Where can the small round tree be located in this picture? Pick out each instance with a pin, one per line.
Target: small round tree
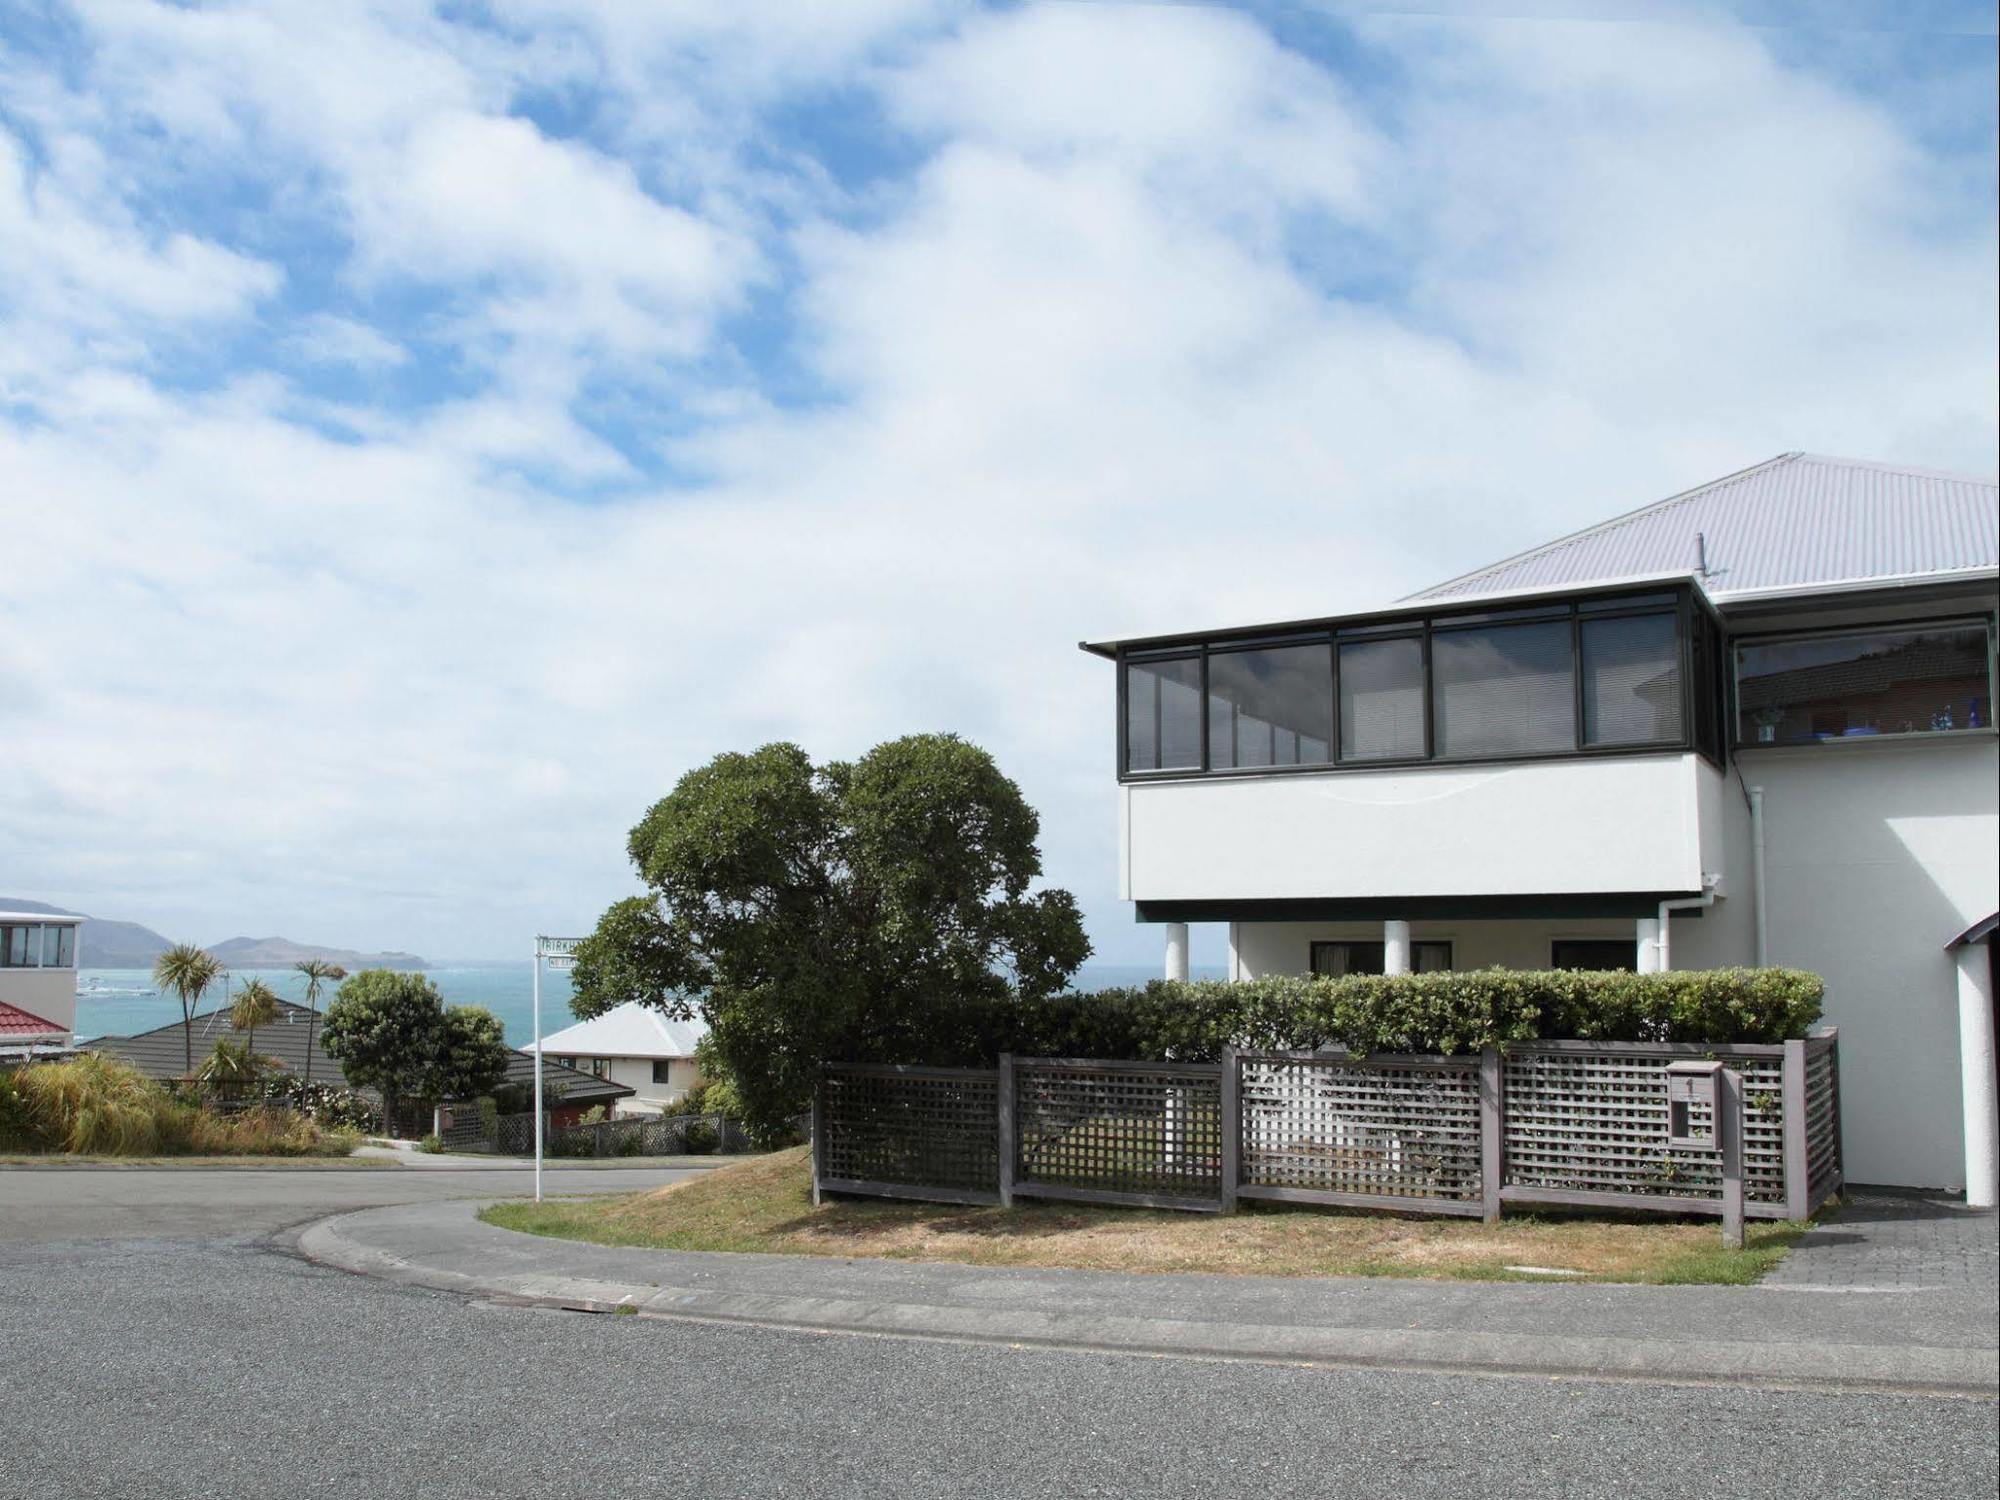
(393, 1033)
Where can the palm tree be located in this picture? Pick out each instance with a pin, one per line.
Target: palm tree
(188, 971)
(317, 971)
(256, 1005)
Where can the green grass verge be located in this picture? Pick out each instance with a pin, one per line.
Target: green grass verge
(764, 1205)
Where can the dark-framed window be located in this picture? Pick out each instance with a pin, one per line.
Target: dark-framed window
(38, 945)
(1884, 681)
(1610, 673)
(1348, 956)
(1594, 953)
(663, 1070)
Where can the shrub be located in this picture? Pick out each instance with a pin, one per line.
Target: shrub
(92, 1103)
(1449, 1012)
(702, 1139)
(96, 1105)
(432, 1144)
(13, 1113)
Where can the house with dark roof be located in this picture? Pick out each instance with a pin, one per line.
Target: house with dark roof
(161, 1053)
(1752, 723)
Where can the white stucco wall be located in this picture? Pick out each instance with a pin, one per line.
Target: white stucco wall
(48, 993)
(1877, 854)
(637, 1073)
(1626, 823)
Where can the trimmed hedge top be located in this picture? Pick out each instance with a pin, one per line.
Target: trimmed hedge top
(1464, 1011)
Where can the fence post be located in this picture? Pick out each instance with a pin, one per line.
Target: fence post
(1492, 1130)
(1231, 1128)
(1003, 1123)
(1798, 1167)
(818, 1129)
(1729, 1127)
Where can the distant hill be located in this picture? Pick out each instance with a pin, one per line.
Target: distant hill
(105, 944)
(282, 953)
(102, 944)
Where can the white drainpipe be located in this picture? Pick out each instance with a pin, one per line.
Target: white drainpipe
(1687, 903)
(1757, 874)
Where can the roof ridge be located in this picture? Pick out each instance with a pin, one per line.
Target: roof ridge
(1597, 528)
(1881, 467)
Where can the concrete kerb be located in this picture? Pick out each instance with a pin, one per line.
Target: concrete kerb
(345, 1242)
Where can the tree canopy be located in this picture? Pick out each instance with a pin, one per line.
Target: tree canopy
(393, 1033)
(832, 912)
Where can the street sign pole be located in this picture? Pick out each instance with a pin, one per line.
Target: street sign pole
(538, 1069)
(560, 954)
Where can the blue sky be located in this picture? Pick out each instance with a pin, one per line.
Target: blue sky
(426, 433)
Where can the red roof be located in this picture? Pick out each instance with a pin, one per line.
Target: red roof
(17, 1022)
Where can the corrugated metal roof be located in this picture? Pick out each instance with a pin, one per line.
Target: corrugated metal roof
(629, 1030)
(1796, 521)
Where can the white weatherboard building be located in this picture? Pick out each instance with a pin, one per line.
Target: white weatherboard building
(1752, 723)
(635, 1045)
(37, 980)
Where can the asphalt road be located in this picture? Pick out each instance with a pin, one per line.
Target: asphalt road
(51, 1205)
(189, 1363)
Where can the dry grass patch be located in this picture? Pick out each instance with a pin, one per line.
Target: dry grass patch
(766, 1205)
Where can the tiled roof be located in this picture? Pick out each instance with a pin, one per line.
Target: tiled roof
(15, 1022)
(1794, 522)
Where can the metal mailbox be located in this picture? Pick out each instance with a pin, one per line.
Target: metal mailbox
(1693, 1094)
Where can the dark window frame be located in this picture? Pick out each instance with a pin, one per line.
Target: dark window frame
(1733, 718)
(1689, 610)
(1557, 945)
(1450, 946)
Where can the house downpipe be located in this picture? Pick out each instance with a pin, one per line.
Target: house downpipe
(1663, 944)
(1757, 875)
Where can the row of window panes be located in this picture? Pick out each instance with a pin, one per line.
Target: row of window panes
(1434, 956)
(38, 945)
(1915, 680)
(1496, 690)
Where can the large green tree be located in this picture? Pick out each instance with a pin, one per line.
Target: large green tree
(393, 1033)
(844, 911)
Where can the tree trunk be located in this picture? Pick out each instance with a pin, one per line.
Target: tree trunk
(187, 1041)
(312, 1018)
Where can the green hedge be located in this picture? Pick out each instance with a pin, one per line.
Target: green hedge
(1455, 1012)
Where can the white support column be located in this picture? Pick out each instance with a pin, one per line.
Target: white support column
(1975, 1062)
(1648, 936)
(1395, 947)
(1177, 950)
(1235, 952)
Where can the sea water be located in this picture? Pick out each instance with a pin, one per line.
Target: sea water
(120, 1002)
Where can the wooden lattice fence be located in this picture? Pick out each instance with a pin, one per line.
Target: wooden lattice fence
(1389, 1132)
(1581, 1123)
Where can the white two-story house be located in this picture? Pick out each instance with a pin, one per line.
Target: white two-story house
(38, 956)
(1749, 724)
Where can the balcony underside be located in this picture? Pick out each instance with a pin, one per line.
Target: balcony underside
(1572, 905)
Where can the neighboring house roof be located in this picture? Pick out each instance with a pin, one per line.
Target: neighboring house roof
(629, 1030)
(159, 1054)
(1796, 522)
(16, 1024)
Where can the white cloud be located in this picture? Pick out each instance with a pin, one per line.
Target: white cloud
(1167, 327)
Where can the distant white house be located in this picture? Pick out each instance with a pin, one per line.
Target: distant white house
(37, 980)
(634, 1045)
